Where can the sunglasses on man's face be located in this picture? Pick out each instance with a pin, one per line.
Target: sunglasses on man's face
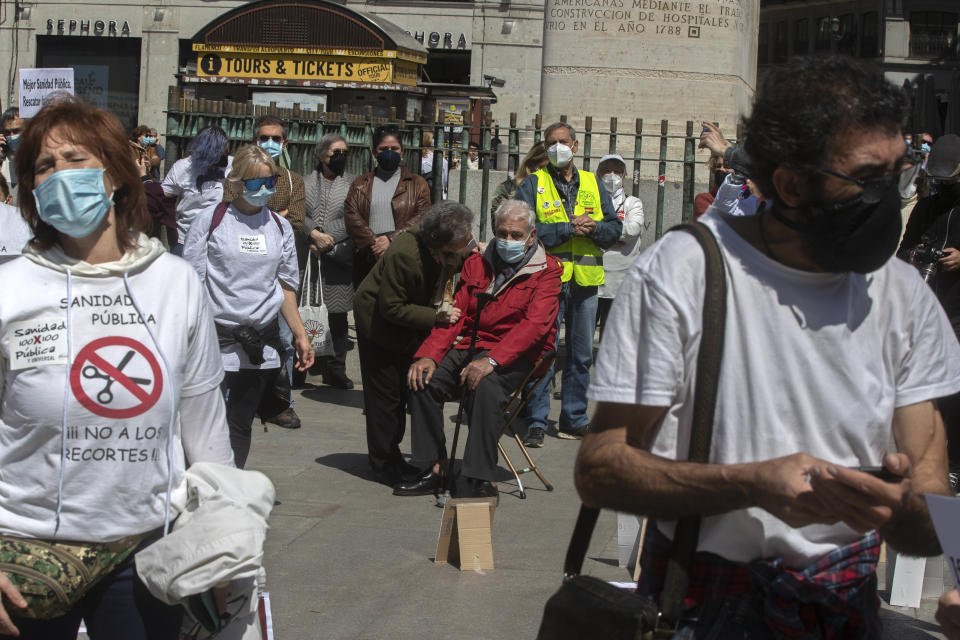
(277, 139)
(11, 132)
(254, 184)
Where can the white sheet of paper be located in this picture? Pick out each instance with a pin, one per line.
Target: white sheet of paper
(907, 588)
(945, 513)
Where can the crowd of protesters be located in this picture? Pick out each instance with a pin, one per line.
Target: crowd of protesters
(833, 348)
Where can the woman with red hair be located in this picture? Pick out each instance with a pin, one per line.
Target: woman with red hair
(110, 373)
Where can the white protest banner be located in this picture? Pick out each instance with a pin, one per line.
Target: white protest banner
(36, 84)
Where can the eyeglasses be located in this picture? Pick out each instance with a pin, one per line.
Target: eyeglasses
(254, 184)
(875, 188)
(264, 138)
(11, 132)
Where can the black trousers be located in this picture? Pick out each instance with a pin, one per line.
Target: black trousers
(243, 391)
(363, 263)
(485, 406)
(384, 376)
(337, 363)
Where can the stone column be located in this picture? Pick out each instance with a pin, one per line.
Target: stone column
(652, 59)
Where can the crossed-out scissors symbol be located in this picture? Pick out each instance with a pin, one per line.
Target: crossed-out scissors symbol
(105, 396)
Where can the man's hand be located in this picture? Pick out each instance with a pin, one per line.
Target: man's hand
(712, 138)
(380, 245)
(786, 492)
(951, 259)
(304, 351)
(420, 372)
(143, 165)
(12, 596)
(476, 371)
(583, 225)
(862, 501)
(283, 214)
(322, 241)
(948, 614)
(447, 318)
(3, 146)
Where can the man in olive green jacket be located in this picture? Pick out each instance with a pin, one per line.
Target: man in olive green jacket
(395, 308)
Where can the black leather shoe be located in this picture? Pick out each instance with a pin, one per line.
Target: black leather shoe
(484, 489)
(288, 419)
(426, 485)
(338, 381)
(409, 472)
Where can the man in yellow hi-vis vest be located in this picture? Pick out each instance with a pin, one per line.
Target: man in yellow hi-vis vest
(576, 221)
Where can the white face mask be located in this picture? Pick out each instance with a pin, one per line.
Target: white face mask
(612, 183)
(560, 155)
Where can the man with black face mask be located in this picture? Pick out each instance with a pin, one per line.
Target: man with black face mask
(831, 350)
(932, 244)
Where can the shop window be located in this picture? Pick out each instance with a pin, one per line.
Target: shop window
(801, 36)
(933, 34)
(847, 43)
(106, 71)
(824, 35)
(780, 41)
(763, 45)
(870, 35)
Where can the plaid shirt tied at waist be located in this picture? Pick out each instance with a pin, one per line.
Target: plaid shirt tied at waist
(835, 597)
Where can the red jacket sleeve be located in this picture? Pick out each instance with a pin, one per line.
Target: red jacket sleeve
(539, 320)
(441, 338)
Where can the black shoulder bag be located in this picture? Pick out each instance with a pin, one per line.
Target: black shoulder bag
(587, 607)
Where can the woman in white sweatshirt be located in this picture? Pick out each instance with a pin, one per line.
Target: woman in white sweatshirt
(110, 374)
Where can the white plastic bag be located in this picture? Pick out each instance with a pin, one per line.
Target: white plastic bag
(315, 317)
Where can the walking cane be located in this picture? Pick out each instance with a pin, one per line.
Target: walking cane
(482, 299)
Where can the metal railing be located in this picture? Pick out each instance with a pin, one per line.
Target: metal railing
(673, 158)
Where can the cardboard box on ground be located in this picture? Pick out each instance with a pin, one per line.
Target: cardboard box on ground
(466, 538)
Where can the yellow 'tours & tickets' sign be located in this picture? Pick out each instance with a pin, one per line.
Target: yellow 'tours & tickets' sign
(277, 66)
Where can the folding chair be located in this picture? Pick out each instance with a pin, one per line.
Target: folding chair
(516, 403)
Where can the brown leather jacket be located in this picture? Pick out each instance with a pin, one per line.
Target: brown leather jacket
(410, 201)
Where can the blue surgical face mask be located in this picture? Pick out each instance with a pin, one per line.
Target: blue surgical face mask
(271, 147)
(925, 148)
(149, 140)
(13, 142)
(511, 251)
(73, 201)
(259, 198)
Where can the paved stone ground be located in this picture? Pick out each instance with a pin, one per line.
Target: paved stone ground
(346, 559)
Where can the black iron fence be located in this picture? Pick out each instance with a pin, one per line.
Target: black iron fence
(654, 158)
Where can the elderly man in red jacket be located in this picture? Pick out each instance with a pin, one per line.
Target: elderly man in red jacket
(513, 331)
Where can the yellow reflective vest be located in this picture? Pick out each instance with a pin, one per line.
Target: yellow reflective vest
(580, 256)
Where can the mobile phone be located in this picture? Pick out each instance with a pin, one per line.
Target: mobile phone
(880, 472)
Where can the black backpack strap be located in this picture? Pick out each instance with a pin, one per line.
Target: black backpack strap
(709, 357)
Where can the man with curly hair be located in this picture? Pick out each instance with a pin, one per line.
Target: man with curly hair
(833, 355)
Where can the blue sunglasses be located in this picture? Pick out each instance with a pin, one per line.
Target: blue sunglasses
(254, 184)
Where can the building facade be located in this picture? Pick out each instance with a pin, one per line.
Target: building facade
(907, 38)
(125, 56)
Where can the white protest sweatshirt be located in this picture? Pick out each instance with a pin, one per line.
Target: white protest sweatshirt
(97, 365)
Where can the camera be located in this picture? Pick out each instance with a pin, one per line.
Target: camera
(926, 258)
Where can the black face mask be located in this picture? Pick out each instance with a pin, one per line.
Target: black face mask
(338, 162)
(850, 235)
(389, 160)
